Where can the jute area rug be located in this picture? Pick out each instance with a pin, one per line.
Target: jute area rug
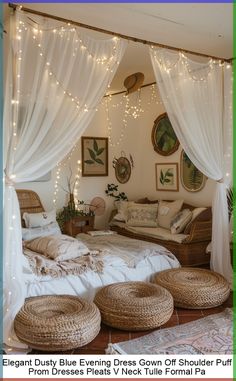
(209, 335)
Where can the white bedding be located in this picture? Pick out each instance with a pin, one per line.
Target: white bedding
(125, 259)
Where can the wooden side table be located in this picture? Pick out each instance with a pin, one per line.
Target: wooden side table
(79, 224)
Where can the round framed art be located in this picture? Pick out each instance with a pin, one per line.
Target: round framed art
(122, 168)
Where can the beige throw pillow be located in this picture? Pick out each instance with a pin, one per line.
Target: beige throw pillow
(166, 211)
(142, 215)
(180, 220)
(122, 207)
(60, 248)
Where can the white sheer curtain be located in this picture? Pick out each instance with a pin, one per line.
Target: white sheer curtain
(197, 97)
(56, 77)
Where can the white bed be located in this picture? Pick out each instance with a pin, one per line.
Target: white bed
(125, 259)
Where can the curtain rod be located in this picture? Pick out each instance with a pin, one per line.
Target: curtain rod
(134, 39)
(124, 91)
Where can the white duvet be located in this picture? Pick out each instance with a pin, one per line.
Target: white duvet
(126, 259)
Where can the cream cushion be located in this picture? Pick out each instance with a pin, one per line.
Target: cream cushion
(180, 220)
(35, 220)
(60, 248)
(166, 211)
(122, 207)
(142, 215)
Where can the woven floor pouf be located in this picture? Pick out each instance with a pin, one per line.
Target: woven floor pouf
(194, 288)
(57, 322)
(134, 306)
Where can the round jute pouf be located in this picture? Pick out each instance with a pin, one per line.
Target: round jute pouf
(134, 306)
(194, 288)
(57, 322)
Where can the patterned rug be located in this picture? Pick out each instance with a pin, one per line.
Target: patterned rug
(209, 335)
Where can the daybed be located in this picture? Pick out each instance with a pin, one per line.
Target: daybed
(189, 246)
(108, 259)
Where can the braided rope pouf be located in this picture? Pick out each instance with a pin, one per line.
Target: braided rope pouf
(134, 306)
(57, 322)
(194, 288)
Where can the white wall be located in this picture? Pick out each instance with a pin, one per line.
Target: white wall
(137, 142)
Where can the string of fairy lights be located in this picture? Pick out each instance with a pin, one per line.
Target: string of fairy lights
(168, 65)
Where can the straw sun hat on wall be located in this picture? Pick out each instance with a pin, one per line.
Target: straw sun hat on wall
(133, 82)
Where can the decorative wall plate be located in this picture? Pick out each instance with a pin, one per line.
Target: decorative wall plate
(122, 168)
(97, 206)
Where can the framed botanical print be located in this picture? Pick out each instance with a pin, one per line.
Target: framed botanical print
(192, 179)
(164, 140)
(94, 156)
(167, 178)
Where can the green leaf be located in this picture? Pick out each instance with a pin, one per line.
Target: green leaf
(162, 175)
(169, 174)
(99, 161)
(92, 154)
(89, 161)
(95, 145)
(167, 180)
(99, 151)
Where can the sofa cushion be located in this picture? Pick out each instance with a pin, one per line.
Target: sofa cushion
(180, 220)
(166, 211)
(142, 215)
(122, 207)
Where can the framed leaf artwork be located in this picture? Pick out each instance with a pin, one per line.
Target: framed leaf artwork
(192, 179)
(94, 156)
(164, 140)
(167, 178)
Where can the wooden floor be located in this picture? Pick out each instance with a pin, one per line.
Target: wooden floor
(112, 335)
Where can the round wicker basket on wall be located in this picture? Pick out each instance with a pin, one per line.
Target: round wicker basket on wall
(194, 288)
(134, 306)
(57, 322)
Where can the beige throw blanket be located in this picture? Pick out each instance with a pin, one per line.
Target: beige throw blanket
(41, 265)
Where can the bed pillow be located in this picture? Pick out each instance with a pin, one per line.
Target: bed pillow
(35, 220)
(166, 211)
(180, 220)
(122, 207)
(60, 248)
(198, 214)
(43, 231)
(142, 215)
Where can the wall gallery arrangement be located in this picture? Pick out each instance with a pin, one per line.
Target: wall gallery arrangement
(165, 143)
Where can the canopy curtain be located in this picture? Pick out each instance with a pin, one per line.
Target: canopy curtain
(56, 77)
(197, 97)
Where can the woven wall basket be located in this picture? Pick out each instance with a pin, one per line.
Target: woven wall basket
(57, 322)
(134, 306)
(194, 288)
